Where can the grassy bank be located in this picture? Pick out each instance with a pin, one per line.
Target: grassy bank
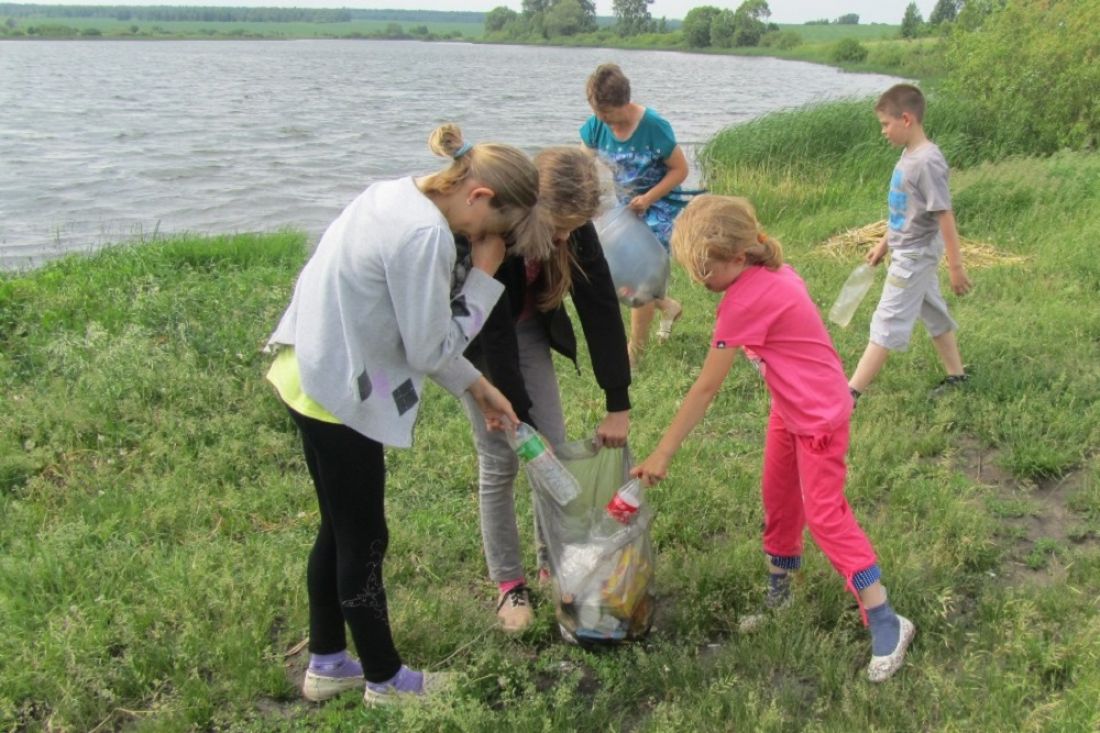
(157, 513)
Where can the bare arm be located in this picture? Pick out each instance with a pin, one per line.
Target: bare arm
(677, 173)
(960, 283)
(695, 404)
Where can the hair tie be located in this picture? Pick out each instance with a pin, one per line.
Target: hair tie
(761, 237)
(462, 150)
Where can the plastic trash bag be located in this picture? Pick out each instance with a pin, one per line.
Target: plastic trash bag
(638, 263)
(601, 569)
(851, 295)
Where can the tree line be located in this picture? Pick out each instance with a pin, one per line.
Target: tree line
(235, 14)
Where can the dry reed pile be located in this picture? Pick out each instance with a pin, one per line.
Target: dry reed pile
(852, 243)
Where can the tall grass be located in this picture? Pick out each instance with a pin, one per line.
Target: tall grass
(157, 514)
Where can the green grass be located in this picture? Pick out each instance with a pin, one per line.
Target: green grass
(157, 513)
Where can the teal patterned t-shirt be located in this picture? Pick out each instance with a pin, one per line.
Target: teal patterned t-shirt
(638, 164)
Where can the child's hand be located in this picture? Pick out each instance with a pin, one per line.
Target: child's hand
(876, 253)
(960, 283)
(613, 429)
(495, 407)
(651, 470)
(639, 204)
(487, 253)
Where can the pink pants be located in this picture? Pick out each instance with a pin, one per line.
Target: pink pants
(803, 485)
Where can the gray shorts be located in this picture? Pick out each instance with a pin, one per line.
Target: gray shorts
(912, 290)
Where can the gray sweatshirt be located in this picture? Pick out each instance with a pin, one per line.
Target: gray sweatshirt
(371, 314)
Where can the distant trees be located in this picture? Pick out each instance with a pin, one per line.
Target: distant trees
(847, 19)
(543, 19)
(497, 18)
(945, 12)
(567, 18)
(912, 23)
(724, 28)
(179, 12)
(632, 16)
(696, 28)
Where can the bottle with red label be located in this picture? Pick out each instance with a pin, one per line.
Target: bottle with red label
(624, 504)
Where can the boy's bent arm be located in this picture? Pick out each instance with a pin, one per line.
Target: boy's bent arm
(960, 283)
(695, 404)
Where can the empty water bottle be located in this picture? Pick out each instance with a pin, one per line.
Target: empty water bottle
(851, 295)
(543, 468)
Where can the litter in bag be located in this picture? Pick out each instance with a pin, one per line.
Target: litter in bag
(638, 263)
(601, 568)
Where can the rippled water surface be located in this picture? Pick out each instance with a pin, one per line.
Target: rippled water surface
(109, 140)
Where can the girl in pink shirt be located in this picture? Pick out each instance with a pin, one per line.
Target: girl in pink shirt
(767, 313)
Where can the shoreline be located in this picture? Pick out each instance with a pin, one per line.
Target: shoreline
(745, 52)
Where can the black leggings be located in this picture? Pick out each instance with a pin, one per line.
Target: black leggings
(344, 576)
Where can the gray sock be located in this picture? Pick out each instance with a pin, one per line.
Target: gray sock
(885, 629)
(779, 589)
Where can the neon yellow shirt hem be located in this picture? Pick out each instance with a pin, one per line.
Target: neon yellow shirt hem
(287, 379)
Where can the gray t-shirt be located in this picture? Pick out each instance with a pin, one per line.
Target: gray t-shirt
(918, 192)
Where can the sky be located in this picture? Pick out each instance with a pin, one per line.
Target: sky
(783, 11)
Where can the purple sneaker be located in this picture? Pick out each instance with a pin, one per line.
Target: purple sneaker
(406, 684)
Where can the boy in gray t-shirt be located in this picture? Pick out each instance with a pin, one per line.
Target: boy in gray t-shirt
(920, 230)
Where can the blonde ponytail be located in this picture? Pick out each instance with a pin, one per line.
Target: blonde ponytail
(510, 174)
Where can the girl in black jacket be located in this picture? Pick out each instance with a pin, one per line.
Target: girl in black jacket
(514, 352)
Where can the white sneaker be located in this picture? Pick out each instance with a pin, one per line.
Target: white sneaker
(319, 687)
(883, 668)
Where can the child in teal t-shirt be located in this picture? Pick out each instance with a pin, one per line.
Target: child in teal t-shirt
(648, 167)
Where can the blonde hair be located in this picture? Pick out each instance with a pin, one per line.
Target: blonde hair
(569, 197)
(510, 174)
(608, 87)
(721, 228)
(902, 98)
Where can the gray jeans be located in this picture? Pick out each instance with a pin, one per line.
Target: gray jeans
(498, 464)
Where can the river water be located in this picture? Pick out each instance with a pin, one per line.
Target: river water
(106, 141)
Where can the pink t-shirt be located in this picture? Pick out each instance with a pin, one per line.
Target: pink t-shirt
(771, 316)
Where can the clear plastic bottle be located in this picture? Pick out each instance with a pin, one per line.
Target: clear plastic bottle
(851, 295)
(542, 466)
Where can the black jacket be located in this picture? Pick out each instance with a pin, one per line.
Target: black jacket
(496, 353)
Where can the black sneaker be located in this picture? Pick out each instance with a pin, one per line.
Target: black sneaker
(949, 384)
